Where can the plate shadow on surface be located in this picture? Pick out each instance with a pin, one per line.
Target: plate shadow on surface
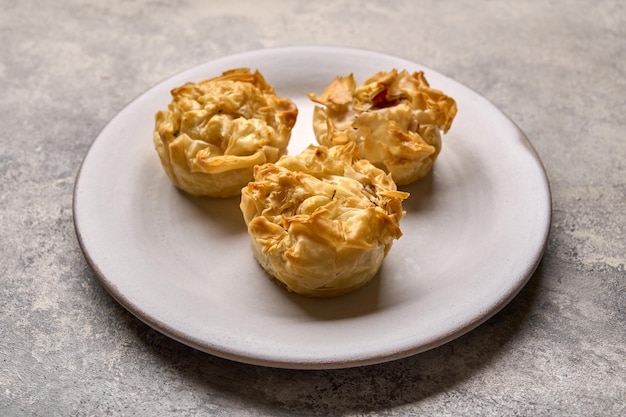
(344, 390)
(349, 390)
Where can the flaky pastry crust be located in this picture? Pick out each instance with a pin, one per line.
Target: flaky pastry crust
(322, 222)
(395, 118)
(214, 132)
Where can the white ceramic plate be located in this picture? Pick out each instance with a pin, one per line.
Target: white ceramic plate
(474, 233)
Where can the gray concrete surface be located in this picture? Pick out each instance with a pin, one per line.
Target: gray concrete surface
(557, 68)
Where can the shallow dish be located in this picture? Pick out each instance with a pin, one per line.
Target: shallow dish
(474, 232)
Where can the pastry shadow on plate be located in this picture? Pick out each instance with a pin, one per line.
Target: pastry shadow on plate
(375, 297)
(421, 193)
(360, 302)
(222, 213)
(456, 173)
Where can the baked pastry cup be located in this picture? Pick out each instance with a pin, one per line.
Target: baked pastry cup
(214, 132)
(321, 222)
(395, 118)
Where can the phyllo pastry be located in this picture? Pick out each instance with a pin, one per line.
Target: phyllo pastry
(395, 119)
(321, 222)
(215, 131)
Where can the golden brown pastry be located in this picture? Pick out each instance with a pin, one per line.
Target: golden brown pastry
(322, 222)
(394, 118)
(214, 132)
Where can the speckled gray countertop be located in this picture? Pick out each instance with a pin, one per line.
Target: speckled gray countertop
(558, 69)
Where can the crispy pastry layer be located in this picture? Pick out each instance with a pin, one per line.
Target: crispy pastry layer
(214, 132)
(395, 118)
(322, 222)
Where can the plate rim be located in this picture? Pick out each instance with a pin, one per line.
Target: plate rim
(327, 363)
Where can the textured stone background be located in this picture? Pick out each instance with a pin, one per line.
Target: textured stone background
(558, 69)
